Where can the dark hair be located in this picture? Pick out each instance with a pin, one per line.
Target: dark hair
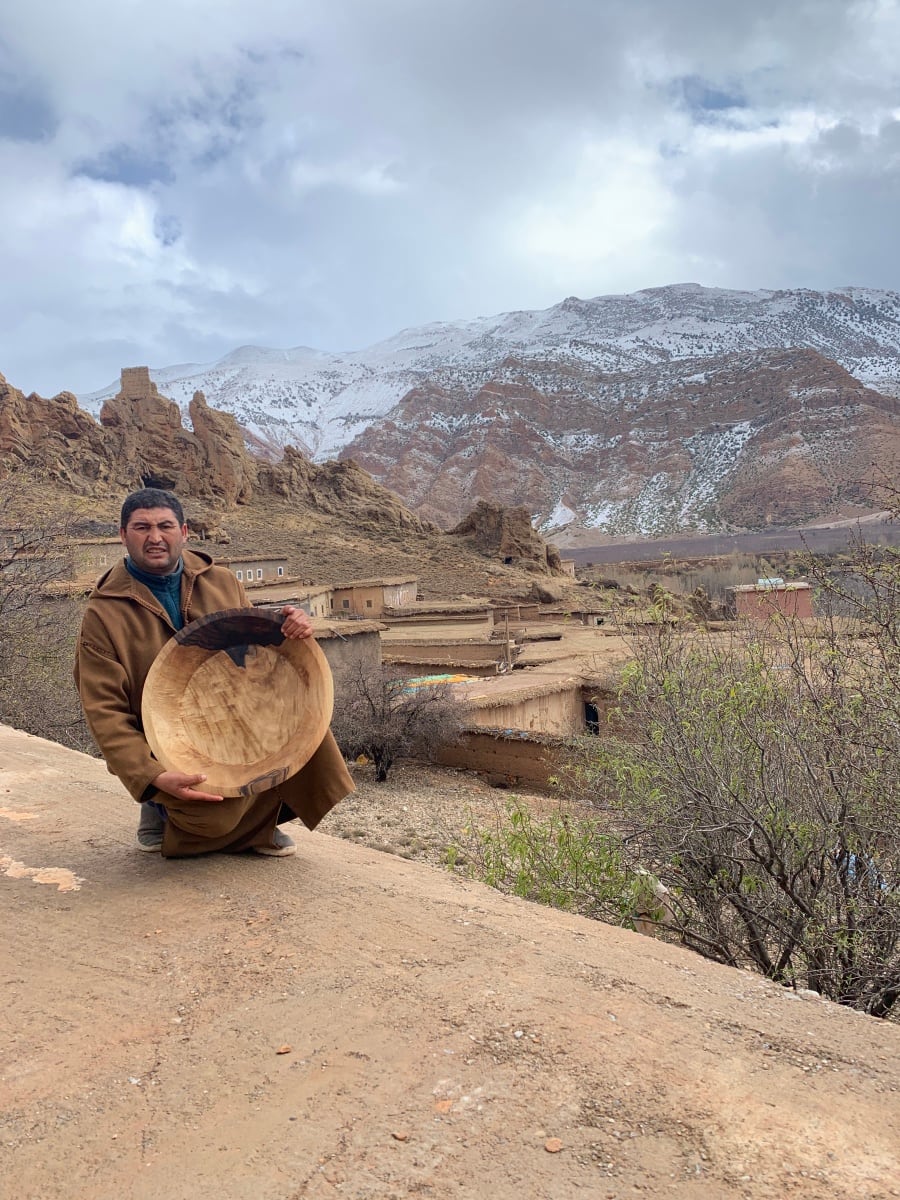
(150, 498)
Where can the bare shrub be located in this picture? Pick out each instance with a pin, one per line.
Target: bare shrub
(385, 718)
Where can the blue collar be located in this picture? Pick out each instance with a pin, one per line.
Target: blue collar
(156, 583)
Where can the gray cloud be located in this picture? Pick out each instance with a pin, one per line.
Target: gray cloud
(185, 178)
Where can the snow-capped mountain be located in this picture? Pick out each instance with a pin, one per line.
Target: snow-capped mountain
(430, 411)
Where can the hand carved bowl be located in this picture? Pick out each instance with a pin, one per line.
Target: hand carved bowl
(230, 697)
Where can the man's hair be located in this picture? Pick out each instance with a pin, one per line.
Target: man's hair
(150, 498)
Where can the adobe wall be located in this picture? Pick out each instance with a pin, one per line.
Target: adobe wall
(560, 713)
(468, 652)
(346, 654)
(512, 760)
(762, 604)
(136, 384)
(248, 569)
(433, 625)
(360, 601)
(399, 594)
(91, 559)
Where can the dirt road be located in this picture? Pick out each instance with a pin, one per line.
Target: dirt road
(346, 1023)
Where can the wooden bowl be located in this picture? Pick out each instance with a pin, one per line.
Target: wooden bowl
(230, 697)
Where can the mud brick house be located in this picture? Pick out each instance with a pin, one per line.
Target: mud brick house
(475, 657)
(516, 614)
(90, 557)
(252, 572)
(768, 598)
(313, 598)
(370, 597)
(517, 725)
(348, 646)
(427, 619)
(505, 756)
(544, 702)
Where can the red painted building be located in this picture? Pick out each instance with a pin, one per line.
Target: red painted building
(769, 597)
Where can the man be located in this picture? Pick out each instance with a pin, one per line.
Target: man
(132, 612)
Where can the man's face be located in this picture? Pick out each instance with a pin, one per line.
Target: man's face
(154, 540)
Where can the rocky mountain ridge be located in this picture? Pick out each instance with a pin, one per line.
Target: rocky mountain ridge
(534, 408)
(746, 441)
(327, 519)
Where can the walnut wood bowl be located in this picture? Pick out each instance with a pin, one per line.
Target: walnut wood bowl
(230, 697)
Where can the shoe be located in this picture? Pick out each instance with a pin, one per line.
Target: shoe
(150, 828)
(282, 846)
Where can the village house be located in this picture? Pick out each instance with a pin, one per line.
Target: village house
(91, 557)
(348, 646)
(767, 598)
(428, 619)
(515, 615)
(541, 702)
(313, 598)
(252, 571)
(480, 658)
(519, 725)
(370, 597)
(505, 757)
(62, 567)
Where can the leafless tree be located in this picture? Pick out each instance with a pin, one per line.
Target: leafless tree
(385, 718)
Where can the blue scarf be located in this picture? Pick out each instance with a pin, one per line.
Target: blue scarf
(166, 588)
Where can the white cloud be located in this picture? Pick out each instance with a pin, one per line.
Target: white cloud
(587, 231)
(181, 178)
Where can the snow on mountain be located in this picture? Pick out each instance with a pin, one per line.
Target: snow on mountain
(558, 408)
(320, 401)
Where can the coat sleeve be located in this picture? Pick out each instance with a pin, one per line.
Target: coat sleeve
(106, 697)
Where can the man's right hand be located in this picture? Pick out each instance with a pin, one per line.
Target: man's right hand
(174, 783)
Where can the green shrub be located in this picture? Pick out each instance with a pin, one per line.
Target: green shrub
(561, 860)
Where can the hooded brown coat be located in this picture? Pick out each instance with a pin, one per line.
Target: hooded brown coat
(123, 629)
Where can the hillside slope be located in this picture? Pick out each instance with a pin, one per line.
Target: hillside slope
(745, 441)
(346, 1023)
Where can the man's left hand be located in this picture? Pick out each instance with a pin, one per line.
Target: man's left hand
(296, 623)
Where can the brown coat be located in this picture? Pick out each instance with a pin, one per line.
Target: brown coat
(123, 629)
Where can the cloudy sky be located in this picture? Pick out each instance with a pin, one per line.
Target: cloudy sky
(184, 177)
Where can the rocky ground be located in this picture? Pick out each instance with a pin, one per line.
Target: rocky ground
(420, 812)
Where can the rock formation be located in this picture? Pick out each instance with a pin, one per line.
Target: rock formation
(342, 488)
(507, 533)
(141, 442)
(43, 433)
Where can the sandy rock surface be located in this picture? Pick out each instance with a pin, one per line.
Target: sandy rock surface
(349, 1023)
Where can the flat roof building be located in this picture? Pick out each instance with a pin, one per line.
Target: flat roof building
(768, 598)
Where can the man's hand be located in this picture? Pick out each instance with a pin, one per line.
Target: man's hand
(175, 783)
(296, 623)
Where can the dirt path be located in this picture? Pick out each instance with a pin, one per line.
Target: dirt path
(443, 1040)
